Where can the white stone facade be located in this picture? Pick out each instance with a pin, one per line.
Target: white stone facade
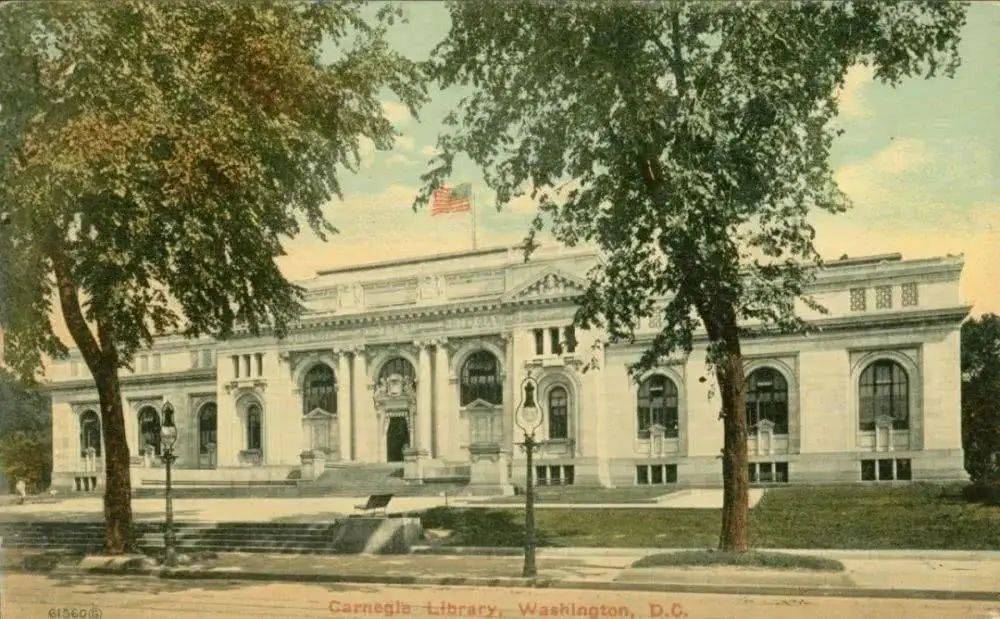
(423, 362)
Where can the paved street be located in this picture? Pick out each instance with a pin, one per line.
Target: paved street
(111, 597)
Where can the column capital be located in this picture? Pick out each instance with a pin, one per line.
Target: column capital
(423, 345)
(440, 342)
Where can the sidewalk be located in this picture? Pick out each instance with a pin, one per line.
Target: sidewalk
(905, 574)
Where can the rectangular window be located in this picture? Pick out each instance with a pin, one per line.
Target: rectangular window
(206, 359)
(909, 295)
(157, 362)
(858, 300)
(768, 472)
(903, 470)
(541, 475)
(556, 344)
(539, 342)
(569, 475)
(570, 339)
(671, 476)
(867, 470)
(885, 469)
(765, 473)
(260, 364)
(194, 359)
(236, 366)
(657, 474)
(246, 366)
(781, 472)
(883, 297)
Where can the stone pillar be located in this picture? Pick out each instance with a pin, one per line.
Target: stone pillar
(364, 414)
(344, 406)
(443, 412)
(424, 426)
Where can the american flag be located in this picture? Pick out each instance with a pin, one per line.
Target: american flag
(452, 200)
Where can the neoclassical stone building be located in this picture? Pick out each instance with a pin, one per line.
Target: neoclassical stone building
(419, 362)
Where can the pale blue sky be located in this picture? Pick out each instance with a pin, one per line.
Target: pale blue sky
(920, 162)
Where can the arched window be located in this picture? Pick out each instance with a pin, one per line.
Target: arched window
(481, 379)
(400, 366)
(658, 405)
(884, 391)
(149, 429)
(90, 432)
(319, 390)
(207, 428)
(767, 398)
(558, 413)
(253, 427)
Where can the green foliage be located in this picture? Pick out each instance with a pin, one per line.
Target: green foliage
(981, 402)
(160, 152)
(687, 140)
(28, 457)
(767, 560)
(25, 433)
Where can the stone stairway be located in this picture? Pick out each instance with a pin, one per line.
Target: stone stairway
(365, 479)
(88, 537)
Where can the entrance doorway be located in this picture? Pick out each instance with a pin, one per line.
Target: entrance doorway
(397, 438)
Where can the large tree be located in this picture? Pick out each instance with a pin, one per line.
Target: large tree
(153, 158)
(688, 141)
(981, 402)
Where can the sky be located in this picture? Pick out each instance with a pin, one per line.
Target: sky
(920, 162)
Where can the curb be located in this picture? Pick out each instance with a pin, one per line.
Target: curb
(547, 583)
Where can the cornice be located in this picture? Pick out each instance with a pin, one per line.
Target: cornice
(193, 375)
(889, 321)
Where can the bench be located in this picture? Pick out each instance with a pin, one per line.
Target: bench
(376, 502)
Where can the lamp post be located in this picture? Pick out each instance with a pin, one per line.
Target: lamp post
(528, 418)
(168, 437)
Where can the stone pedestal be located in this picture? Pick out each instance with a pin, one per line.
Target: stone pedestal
(488, 473)
(313, 464)
(413, 463)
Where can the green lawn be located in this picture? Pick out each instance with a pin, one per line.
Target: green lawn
(864, 517)
(578, 494)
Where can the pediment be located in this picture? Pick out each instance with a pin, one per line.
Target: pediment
(549, 284)
(481, 405)
(318, 413)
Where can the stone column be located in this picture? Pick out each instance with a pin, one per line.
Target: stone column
(443, 412)
(511, 392)
(346, 428)
(424, 426)
(364, 415)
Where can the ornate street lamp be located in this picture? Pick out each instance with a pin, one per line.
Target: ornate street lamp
(528, 418)
(168, 437)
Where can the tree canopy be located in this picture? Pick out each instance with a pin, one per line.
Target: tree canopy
(153, 156)
(689, 142)
(980, 409)
(156, 153)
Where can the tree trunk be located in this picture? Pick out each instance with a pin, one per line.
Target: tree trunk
(102, 361)
(117, 484)
(735, 482)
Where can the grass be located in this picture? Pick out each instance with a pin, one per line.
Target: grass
(577, 494)
(920, 516)
(754, 558)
